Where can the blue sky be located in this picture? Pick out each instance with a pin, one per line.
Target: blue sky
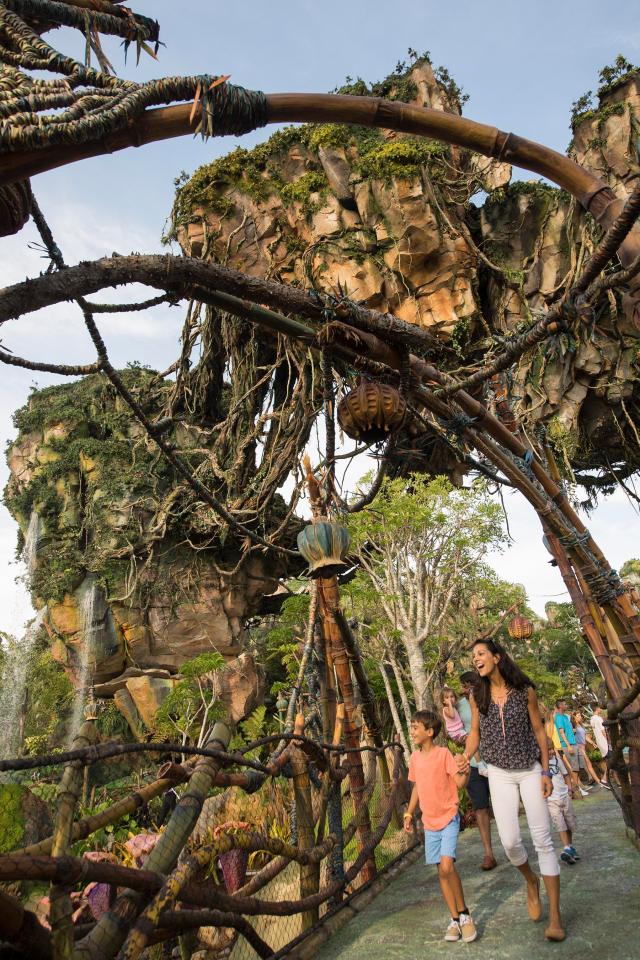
(523, 66)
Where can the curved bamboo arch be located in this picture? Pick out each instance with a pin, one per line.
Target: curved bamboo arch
(177, 121)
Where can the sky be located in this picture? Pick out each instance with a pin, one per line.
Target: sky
(523, 66)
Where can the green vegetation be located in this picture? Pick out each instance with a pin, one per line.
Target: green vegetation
(611, 77)
(11, 816)
(402, 158)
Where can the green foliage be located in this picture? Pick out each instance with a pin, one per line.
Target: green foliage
(208, 662)
(49, 699)
(610, 77)
(400, 159)
(283, 641)
(614, 74)
(630, 568)
(191, 707)
(303, 189)
(11, 816)
(111, 724)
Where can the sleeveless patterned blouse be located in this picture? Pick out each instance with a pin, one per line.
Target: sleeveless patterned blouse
(506, 736)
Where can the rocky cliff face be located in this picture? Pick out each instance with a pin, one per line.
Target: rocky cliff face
(389, 221)
(127, 564)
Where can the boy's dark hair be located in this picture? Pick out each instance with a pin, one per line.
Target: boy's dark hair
(560, 700)
(429, 720)
(469, 676)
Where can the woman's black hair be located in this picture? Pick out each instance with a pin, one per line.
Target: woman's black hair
(511, 673)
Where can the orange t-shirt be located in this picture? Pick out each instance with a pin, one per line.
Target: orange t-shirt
(433, 774)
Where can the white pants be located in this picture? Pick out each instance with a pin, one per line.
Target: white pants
(507, 787)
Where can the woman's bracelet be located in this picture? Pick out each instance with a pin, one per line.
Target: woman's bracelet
(409, 815)
(545, 773)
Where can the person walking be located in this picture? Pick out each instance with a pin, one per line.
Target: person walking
(602, 741)
(436, 777)
(478, 785)
(560, 807)
(507, 726)
(567, 739)
(581, 743)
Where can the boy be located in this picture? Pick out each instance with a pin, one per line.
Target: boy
(561, 806)
(436, 778)
(568, 746)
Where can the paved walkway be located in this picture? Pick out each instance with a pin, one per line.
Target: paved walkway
(600, 900)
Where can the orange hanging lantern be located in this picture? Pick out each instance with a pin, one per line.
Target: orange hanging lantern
(371, 411)
(520, 628)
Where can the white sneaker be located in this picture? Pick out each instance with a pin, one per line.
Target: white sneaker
(467, 928)
(583, 793)
(605, 785)
(453, 934)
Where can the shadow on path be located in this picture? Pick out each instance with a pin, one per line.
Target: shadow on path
(600, 903)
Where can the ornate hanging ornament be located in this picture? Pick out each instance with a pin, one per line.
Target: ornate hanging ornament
(324, 544)
(520, 628)
(371, 411)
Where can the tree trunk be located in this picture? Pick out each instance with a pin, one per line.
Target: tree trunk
(394, 709)
(419, 679)
(402, 690)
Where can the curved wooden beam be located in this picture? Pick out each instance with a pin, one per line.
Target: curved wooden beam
(176, 121)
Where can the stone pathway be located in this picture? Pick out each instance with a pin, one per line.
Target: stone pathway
(600, 901)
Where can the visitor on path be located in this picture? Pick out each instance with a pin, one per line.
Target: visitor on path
(602, 741)
(569, 747)
(453, 724)
(560, 806)
(436, 776)
(478, 785)
(507, 726)
(581, 743)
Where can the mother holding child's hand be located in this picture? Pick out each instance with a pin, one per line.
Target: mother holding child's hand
(506, 723)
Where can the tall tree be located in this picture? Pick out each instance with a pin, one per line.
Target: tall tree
(420, 548)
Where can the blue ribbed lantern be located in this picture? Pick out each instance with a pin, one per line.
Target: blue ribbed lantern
(324, 544)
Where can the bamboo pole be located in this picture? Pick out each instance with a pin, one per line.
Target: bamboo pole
(368, 704)
(60, 907)
(110, 931)
(169, 122)
(309, 872)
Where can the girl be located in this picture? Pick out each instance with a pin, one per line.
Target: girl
(452, 721)
(506, 724)
(581, 743)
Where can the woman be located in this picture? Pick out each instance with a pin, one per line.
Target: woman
(506, 723)
(581, 743)
(602, 741)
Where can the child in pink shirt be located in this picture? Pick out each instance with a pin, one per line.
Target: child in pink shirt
(452, 719)
(436, 778)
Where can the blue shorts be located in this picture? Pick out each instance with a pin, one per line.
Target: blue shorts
(442, 843)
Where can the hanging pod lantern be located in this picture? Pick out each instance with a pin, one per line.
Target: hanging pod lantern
(371, 411)
(324, 544)
(520, 628)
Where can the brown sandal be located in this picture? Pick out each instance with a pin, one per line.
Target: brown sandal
(534, 904)
(489, 863)
(555, 933)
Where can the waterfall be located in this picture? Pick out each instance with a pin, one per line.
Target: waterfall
(14, 687)
(31, 542)
(88, 603)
